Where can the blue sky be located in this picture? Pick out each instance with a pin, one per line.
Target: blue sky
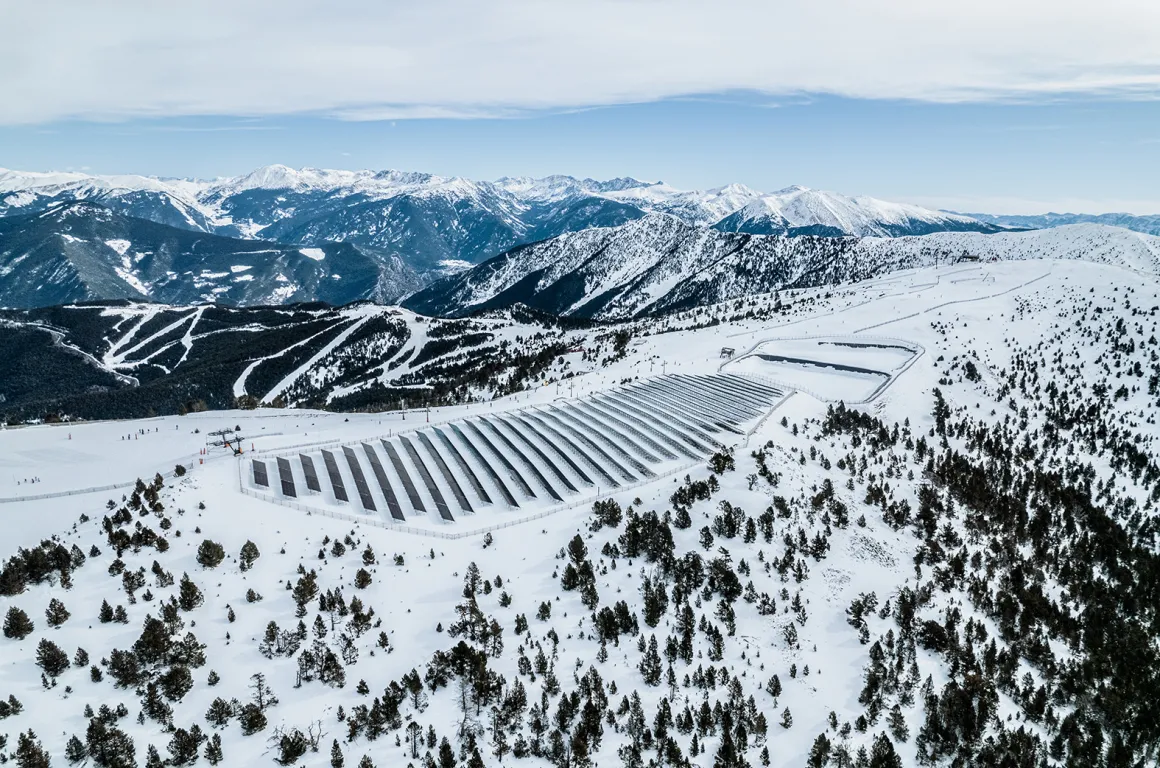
(1004, 106)
(1093, 153)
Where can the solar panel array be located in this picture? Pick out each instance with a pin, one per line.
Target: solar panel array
(537, 456)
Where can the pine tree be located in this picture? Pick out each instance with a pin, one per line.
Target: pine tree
(213, 750)
(248, 555)
(74, 750)
(362, 579)
(56, 614)
(446, 754)
(366, 762)
(189, 596)
(897, 724)
(786, 718)
(650, 665)
(51, 658)
(210, 554)
(883, 754)
(336, 758)
(219, 713)
(29, 752)
(153, 758)
(17, 625)
(819, 752)
(106, 614)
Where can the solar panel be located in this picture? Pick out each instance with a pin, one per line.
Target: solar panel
(260, 476)
(598, 431)
(488, 468)
(557, 418)
(722, 384)
(725, 395)
(335, 477)
(706, 402)
(287, 477)
(446, 472)
(533, 429)
(562, 439)
(408, 483)
(436, 494)
(614, 427)
(516, 477)
(647, 422)
(536, 450)
(384, 483)
(684, 429)
(311, 475)
(689, 410)
(360, 480)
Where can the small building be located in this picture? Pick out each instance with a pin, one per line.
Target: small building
(727, 352)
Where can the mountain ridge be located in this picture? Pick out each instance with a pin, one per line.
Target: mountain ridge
(659, 264)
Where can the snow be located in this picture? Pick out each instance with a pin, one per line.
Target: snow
(947, 310)
(236, 268)
(120, 246)
(313, 253)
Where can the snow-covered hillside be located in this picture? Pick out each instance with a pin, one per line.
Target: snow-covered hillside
(131, 359)
(798, 210)
(659, 264)
(964, 567)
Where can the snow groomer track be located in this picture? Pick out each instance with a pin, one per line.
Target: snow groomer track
(497, 469)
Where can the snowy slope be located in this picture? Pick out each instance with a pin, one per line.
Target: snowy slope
(798, 210)
(945, 572)
(659, 263)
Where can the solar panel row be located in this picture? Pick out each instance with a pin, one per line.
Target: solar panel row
(542, 453)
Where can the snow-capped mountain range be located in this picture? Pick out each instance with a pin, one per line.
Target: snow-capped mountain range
(427, 218)
(590, 248)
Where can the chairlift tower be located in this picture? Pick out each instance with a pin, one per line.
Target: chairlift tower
(226, 438)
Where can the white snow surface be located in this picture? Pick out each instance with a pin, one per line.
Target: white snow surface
(947, 310)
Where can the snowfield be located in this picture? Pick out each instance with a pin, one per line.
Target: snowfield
(830, 586)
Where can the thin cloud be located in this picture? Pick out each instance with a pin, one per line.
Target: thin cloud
(373, 60)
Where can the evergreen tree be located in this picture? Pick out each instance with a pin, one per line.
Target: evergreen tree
(106, 614)
(786, 718)
(336, 758)
(56, 614)
(897, 724)
(17, 625)
(51, 658)
(213, 750)
(153, 758)
(210, 554)
(819, 752)
(362, 579)
(189, 596)
(883, 755)
(74, 750)
(650, 665)
(29, 752)
(446, 754)
(248, 555)
(109, 746)
(219, 713)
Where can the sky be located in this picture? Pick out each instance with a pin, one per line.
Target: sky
(1012, 106)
